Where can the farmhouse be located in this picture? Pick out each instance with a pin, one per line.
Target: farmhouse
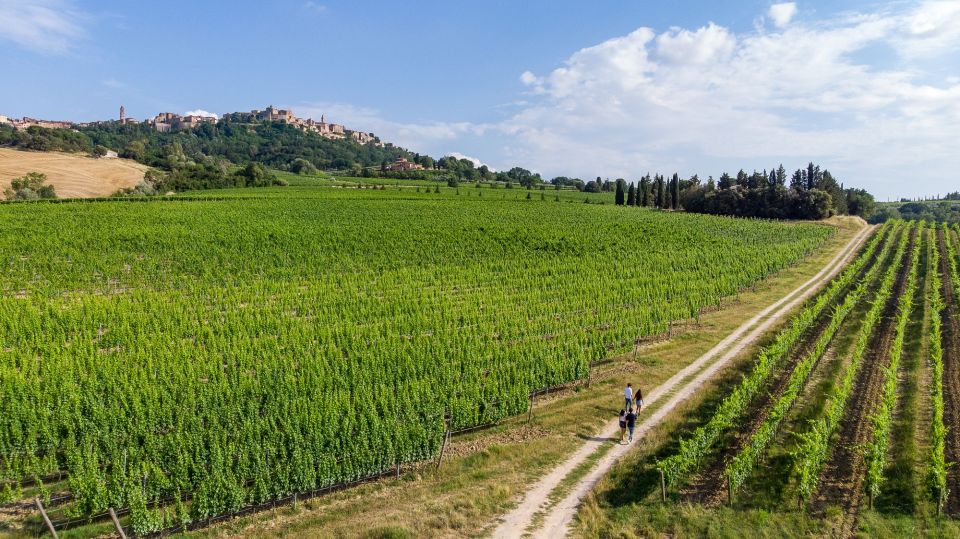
(402, 164)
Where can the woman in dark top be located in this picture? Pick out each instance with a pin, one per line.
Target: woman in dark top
(623, 424)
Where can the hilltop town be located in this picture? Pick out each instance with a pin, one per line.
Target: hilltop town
(166, 122)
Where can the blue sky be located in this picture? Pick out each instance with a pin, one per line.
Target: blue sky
(870, 90)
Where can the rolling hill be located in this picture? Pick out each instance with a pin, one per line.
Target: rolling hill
(73, 175)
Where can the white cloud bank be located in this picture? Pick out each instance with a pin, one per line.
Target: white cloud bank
(700, 100)
(781, 14)
(45, 26)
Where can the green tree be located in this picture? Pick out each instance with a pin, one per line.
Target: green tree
(725, 182)
(29, 187)
(255, 175)
(661, 193)
(304, 167)
(619, 196)
(631, 195)
(860, 202)
(645, 191)
(137, 149)
(675, 192)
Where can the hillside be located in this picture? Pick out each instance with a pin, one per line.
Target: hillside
(73, 175)
(309, 305)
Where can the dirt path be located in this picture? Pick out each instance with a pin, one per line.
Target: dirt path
(676, 389)
(843, 479)
(951, 378)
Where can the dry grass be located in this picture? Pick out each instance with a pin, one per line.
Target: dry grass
(73, 175)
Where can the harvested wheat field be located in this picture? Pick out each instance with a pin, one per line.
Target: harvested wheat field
(73, 175)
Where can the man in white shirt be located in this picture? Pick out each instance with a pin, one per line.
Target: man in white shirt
(628, 396)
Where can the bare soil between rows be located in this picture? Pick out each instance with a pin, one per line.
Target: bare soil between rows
(951, 379)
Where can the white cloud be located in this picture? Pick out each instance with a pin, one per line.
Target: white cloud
(528, 78)
(476, 162)
(200, 112)
(409, 135)
(842, 91)
(708, 44)
(44, 26)
(113, 83)
(782, 14)
(933, 28)
(707, 99)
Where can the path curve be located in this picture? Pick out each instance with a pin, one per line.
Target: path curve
(559, 517)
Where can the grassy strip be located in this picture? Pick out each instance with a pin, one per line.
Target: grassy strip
(694, 448)
(877, 449)
(815, 445)
(740, 468)
(937, 479)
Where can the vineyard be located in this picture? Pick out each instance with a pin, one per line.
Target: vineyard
(182, 359)
(843, 424)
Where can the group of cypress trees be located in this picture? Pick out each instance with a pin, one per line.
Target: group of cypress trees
(811, 193)
(657, 192)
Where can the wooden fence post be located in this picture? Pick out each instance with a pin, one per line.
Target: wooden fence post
(729, 491)
(670, 330)
(663, 487)
(446, 436)
(46, 519)
(530, 409)
(116, 524)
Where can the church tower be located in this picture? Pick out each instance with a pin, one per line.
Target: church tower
(123, 114)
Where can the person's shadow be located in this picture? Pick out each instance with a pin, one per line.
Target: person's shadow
(597, 438)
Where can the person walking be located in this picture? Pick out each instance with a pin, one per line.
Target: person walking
(631, 423)
(628, 396)
(639, 400)
(623, 424)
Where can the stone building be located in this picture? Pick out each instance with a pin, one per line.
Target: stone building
(402, 164)
(273, 114)
(363, 138)
(166, 122)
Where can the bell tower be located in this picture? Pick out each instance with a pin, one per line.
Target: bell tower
(123, 114)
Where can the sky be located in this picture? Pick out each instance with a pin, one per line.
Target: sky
(612, 88)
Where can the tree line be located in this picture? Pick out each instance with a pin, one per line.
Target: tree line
(809, 193)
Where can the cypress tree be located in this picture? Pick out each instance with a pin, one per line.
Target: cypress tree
(675, 196)
(661, 193)
(631, 196)
(619, 195)
(644, 198)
